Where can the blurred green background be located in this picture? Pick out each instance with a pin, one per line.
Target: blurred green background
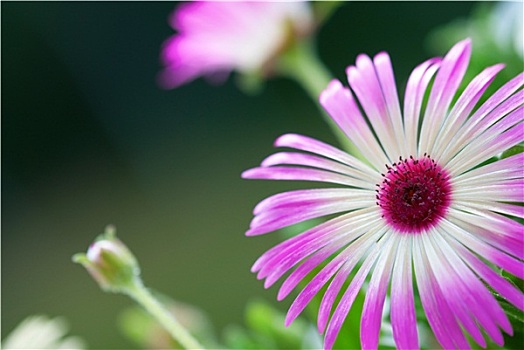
(89, 139)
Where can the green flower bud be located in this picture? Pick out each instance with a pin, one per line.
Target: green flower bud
(110, 262)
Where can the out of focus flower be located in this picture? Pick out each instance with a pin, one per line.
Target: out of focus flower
(214, 38)
(42, 332)
(427, 200)
(110, 262)
(507, 28)
(496, 29)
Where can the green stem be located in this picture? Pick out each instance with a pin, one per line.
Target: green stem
(141, 295)
(301, 63)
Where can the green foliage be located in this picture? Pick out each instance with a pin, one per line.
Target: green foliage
(512, 151)
(264, 329)
(515, 315)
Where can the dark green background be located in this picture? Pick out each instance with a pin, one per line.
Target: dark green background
(89, 139)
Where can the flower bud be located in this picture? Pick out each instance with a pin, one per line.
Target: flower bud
(110, 262)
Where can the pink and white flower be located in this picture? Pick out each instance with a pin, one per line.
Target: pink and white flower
(425, 207)
(218, 37)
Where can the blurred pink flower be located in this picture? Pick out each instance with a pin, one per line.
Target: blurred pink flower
(425, 207)
(214, 38)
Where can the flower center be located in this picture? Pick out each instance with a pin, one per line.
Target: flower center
(414, 194)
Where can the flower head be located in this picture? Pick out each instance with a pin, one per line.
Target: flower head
(110, 262)
(217, 37)
(427, 202)
(42, 332)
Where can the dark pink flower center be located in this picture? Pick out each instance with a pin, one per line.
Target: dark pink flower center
(414, 194)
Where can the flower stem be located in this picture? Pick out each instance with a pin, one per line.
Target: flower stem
(301, 63)
(143, 296)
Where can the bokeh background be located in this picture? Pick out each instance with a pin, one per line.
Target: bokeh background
(89, 139)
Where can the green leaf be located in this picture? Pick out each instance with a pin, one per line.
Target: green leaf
(513, 313)
(516, 316)
(235, 337)
(265, 330)
(512, 151)
(268, 321)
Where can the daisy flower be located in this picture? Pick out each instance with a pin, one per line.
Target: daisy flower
(42, 332)
(217, 37)
(426, 207)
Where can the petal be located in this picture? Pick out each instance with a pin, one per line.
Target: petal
(463, 107)
(347, 258)
(496, 230)
(302, 174)
(388, 87)
(454, 290)
(301, 197)
(336, 239)
(487, 251)
(504, 191)
(351, 292)
(308, 144)
(306, 267)
(316, 235)
(403, 316)
(468, 293)
(214, 37)
(293, 158)
(488, 205)
(364, 82)
(494, 280)
(271, 220)
(413, 97)
(502, 102)
(296, 276)
(376, 295)
(507, 168)
(446, 83)
(489, 144)
(186, 59)
(312, 288)
(331, 293)
(204, 16)
(341, 106)
(439, 315)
